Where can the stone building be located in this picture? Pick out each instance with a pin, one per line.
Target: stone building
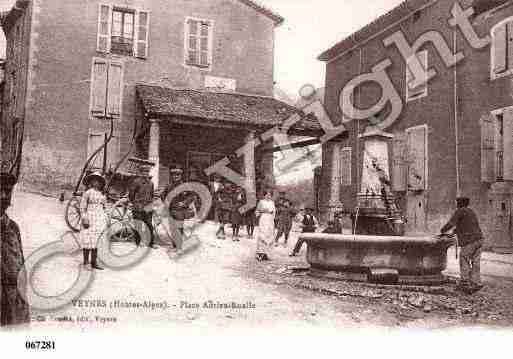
(193, 79)
(453, 135)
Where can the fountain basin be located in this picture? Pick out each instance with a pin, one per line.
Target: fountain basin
(407, 256)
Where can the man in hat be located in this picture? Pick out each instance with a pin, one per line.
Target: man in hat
(224, 205)
(140, 194)
(180, 205)
(284, 216)
(470, 239)
(14, 309)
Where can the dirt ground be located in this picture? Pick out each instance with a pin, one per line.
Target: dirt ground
(221, 285)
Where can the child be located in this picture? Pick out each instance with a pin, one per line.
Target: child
(94, 219)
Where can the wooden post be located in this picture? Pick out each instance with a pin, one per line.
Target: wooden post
(249, 166)
(154, 150)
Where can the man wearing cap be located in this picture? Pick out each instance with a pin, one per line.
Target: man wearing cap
(140, 194)
(470, 239)
(14, 309)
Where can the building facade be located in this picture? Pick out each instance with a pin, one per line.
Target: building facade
(186, 76)
(452, 137)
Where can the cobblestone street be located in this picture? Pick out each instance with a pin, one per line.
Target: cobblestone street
(226, 272)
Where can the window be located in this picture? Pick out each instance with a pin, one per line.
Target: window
(345, 166)
(502, 49)
(198, 39)
(417, 157)
(497, 146)
(106, 88)
(123, 31)
(399, 162)
(421, 90)
(122, 39)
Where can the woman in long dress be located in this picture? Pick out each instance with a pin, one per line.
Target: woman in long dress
(265, 213)
(94, 218)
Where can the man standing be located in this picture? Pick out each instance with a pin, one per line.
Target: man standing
(180, 205)
(13, 308)
(284, 215)
(470, 239)
(140, 194)
(224, 205)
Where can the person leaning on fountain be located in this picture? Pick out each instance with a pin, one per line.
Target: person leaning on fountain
(470, 239)
(14, 309)
(308, 224)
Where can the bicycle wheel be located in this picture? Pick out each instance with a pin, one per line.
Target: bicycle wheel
(72, 213)
(119, 221)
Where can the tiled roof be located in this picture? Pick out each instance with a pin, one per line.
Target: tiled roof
(481, 6)
(405, 8)
(234, 108)
(278, 20)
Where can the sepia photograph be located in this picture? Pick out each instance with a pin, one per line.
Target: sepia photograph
(240, 165)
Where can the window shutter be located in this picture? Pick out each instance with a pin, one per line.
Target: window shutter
(115, 88)
(204, 43)
(143, 29)
(192, 42)
(399, 165)
(99, 87)
(417, 159)
(508, 145)
(421, 89)
(499, 49)
(345, 166)
(112, 151)
(488, 149)
(96, 139)
(104, 28)
(509, 29)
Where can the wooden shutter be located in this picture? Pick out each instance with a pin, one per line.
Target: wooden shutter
(99, 87)
(204, 43)
(488, 148)
(192, 42)
(143, 29)
(508, 145)
(345, 166)
(417, 158)
(422, 88)
(115, 88)
(499, 49)
(399, 164)
(509, 36)
(96, 139)
(104, 28)
(112, 151)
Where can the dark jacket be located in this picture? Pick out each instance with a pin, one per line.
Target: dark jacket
(140, 192)
(309, 224)
(181, 203)
(467, 226)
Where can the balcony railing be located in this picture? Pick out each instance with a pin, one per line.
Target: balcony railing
(122, 45)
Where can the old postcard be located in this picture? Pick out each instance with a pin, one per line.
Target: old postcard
(255, 164)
